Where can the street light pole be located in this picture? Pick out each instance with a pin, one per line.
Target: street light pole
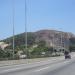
(26, 27)
(68, 41)
(53, 44)
(61, 39)
(13, 10)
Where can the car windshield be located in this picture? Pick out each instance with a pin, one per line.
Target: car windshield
(37, 37)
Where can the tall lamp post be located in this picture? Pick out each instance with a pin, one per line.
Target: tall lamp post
(53, 44)
(68, 41)
(61, 40)
(13, 10)
(26, 27)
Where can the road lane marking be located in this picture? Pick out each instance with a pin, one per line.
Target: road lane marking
(42, 69)
(53, 66)
(11, 70)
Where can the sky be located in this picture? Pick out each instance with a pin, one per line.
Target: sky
(41, 14)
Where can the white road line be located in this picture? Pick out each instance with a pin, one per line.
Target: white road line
(11, 70)
(56, 65)
(42, 69)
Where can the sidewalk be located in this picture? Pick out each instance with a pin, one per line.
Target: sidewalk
(29, 61)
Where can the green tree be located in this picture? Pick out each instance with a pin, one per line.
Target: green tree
(41, 44)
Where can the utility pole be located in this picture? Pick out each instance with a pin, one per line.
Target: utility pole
(13, 10)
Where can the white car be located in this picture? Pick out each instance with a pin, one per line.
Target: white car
(22, 56)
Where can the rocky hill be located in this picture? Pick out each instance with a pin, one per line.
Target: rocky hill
(51, 37)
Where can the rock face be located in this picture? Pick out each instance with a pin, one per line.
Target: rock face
(3, 45)
(54, 38)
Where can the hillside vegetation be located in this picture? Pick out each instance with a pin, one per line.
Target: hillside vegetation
(41, 42)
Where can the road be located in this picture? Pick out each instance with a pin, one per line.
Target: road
(62, 67)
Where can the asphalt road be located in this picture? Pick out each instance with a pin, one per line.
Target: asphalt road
(63, 67)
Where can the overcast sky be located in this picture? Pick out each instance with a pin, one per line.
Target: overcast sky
(41, 14)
